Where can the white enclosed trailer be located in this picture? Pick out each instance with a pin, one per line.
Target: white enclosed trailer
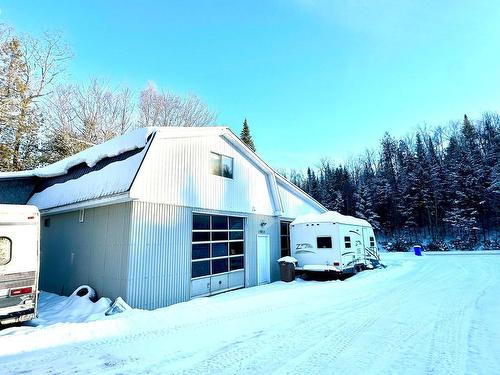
(19, 262)
(331, 242)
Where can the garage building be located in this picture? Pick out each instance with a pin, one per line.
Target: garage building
(160, 215)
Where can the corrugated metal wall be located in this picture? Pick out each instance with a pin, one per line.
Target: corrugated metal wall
(160, 255)
(293, 204)
(177, 171)
(138, 250)
(93, 252)
(254, 228)
(160, 252)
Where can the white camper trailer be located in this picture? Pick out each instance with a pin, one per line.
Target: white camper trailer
(331, 242)
(19, 262)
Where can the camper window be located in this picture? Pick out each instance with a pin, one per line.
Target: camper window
(347, 241)
(324, 242)
(372, 242)
(5, 250)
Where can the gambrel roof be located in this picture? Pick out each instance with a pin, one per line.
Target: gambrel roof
(106, 172)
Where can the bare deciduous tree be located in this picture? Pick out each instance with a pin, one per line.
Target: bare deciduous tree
(82, 116)
(102, 113)
(169, 109)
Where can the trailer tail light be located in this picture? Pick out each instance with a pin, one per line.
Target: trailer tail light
(21, 291)
(336, 263)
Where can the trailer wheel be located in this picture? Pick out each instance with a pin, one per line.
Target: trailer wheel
(355, 270)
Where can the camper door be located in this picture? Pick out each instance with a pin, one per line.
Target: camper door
(370, 244)
(352, 245)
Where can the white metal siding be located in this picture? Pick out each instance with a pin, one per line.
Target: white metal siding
(295, 205)
(92, 252)
(177, 171)
(160, 252)
(272, 228)
(160, 255)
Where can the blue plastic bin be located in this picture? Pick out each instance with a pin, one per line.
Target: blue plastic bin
(418, 250)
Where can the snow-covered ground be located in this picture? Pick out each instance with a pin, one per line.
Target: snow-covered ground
(434, 314)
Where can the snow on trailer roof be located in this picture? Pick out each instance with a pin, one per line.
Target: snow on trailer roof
(18, 208)
(330, 217)
(18, 213)
(91, 156)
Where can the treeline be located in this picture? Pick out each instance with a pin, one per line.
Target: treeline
(438, 183)
(44, 117)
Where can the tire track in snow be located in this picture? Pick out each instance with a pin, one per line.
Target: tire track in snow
(46, 361)
(383, 331)
(290, 342)
(447, 351)
(328, 351)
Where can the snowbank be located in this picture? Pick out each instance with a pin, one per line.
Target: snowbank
(53, 309)
(116, 146)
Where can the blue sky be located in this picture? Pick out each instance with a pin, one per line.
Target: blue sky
(314, 78)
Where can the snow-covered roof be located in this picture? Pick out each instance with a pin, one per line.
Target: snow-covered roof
(60, 185)
(330, 217)
(91, 156)
(113, 179)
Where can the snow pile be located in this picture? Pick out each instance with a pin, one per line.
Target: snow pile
(116, 146)
(330, 217)
(53, 309)
(288, 259)
(320, 268)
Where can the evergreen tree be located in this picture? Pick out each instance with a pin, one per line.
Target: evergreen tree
(364, 206)
(436, 185)
(28, 69)
(246, 137)
(311, 185)
(386, 185)
(19, 116)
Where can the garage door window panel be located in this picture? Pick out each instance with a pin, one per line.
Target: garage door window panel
(236, 235)
(201, 251)
(219, 250)
(200, 268)
(219, 236)
(201, 236)
(236, 248)
(236, 223)
(218, 245)
(201, 222)
(236, 263)
(219, 266)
